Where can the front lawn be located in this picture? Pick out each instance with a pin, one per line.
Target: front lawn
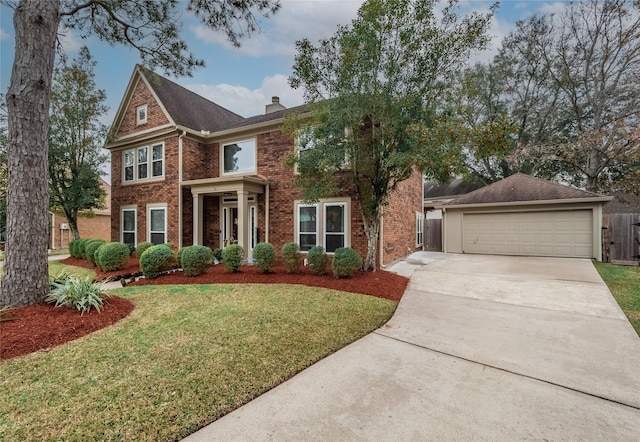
(184, 357)
(624, 283)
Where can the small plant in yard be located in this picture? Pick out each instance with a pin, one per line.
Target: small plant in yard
(291, 257)
(155, 260)
(345, 262)
(82, 244)
(317, 260)
(80, 294)
(264, 256)
(91, 248)
(217, 254)
(141, 247)
(113, 256)
(232, 257)
(73, 247)
(195, 259)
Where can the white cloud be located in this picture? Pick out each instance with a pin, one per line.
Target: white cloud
(248, 102)
(4, 35)
(552, 8)
(295, 20)
(71, 43)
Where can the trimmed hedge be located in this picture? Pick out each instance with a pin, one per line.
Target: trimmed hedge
(73, 247)
(232, 257)
(291, 257)
(345, 262)
(91, 248)
(317, 260)
(264, 257)
(113, 256)
(155, 260)
(141, 248)
(195, 259)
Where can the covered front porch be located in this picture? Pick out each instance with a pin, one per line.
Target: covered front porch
(238, 203)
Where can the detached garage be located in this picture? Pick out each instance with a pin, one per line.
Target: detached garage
(523, 215)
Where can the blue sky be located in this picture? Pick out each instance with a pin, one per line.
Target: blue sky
(244, 79)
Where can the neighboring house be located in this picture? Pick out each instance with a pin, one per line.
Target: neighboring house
(523, 215)
(95, 223)
(188, 171)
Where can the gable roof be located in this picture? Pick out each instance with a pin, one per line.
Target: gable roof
(187, 108)
(520, 188)
(433, 189)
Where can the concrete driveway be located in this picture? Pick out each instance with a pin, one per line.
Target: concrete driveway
(480, 347)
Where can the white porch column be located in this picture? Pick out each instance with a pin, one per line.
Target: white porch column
(243, 220)
(197, 219)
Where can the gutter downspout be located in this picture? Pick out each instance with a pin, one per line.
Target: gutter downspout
(184, 132)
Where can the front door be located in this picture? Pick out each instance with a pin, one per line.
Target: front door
(229, 231)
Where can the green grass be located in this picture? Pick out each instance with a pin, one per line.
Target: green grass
(624, 283)
(185, 356)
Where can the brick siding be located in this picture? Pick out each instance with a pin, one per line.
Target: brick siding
(97, 227)
(155, 115)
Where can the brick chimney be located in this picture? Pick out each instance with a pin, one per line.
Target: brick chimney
(274, 106)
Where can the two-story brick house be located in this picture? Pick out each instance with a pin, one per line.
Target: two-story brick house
(187, 171)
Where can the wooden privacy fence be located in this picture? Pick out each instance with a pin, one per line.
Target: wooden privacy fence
(433, 235)
(621, 238)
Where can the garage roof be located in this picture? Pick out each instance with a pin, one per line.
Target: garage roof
(520, 188)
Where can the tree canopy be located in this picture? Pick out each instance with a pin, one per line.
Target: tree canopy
(372, 88)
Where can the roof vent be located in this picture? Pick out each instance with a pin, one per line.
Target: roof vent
(274, 106)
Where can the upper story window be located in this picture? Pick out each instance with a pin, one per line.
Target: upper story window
(305, 141)
(141, 114)
(143, 162)
(239, 157)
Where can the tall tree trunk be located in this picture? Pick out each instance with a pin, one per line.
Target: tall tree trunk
(26, 279)
(372, 230)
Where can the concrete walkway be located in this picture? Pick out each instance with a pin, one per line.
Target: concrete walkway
(480, 347)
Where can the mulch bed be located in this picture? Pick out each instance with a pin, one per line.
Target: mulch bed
(44, 326)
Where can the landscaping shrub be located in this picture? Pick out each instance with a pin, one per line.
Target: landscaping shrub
(81, 294)
(232, 257)
(317, 260)
(195, 259)
(73, 247)
(291, 257)
(81, 248)
(217, 254)
(96, 254)
(264, 257)
(345, 262)
(141, 247)
(90, 249)
(113, 256)
(155, 260)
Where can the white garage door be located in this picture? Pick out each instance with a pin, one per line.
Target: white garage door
(562, 233)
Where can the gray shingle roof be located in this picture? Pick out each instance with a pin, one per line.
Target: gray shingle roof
(189, 109)
(521, 187)
(434, 189)
(622, 203)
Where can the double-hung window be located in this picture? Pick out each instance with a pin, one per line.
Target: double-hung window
(419, 228)
(144, 162)
(128, 226)
(324, 224)
(307, 227)
(157, 214)
(334, 226)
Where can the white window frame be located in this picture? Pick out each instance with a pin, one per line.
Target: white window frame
(135, 223)
(139, 163)
(324, 224)
(255, 157)
(149, 163)
(419, 229)
(139, 120)
(321, 233)
(150, 208)
(298, 147)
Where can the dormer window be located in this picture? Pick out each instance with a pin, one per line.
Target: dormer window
(141, 114)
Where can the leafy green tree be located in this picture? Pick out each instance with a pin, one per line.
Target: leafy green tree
(152, 27)
(370, 87)
(75, 140)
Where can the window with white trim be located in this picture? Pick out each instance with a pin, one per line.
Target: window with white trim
(305, 141)
(141, 114)
(139, 166)
(419, 228)
(324, 224)
(157, 216)
(239, 157)
(128, 226)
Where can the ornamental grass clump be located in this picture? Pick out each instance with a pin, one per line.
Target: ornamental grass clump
(91, 248)
(195, 259)
(345, 262)
(232, 257)
(317, 260)
(156, 259)
(113, 256)
(264, 257)
(141, 248)
(291, 257)
(76, 293)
